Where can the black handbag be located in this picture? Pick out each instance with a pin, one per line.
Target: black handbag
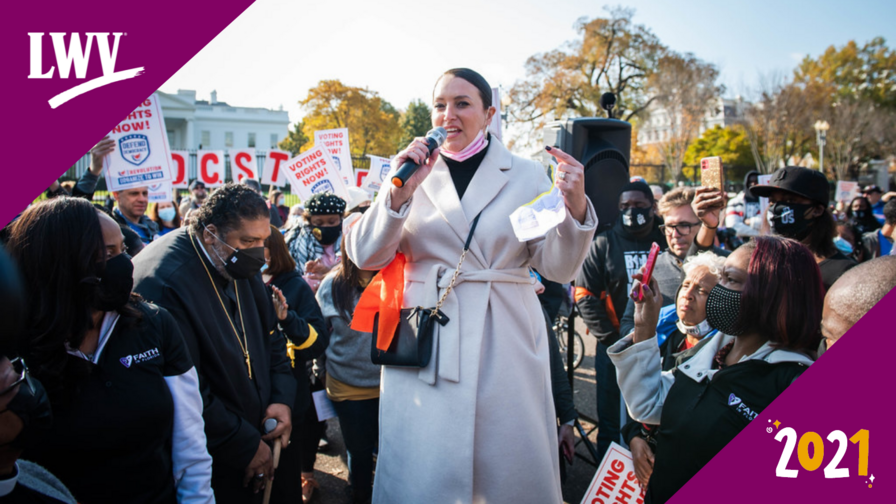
(412, 343)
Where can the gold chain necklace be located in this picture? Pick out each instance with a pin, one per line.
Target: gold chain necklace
(244, 343)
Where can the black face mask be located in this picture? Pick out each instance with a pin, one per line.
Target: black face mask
(114, 289)
(327, 235)
(242, 263)
(723, 310)
(789, 220)
(635, 220)
(860, 214)
(32, 405)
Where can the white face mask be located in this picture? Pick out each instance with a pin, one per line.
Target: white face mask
(698, 331)
(281, 201)
(167, 214)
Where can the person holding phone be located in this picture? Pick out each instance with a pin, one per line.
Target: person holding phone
(601, 294)
(767, 308)
(451, 432)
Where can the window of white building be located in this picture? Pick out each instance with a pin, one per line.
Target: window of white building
(206, 141)
(273, 140)
(228, 139)
(251, 142)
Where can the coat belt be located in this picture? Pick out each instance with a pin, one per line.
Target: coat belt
(446, 348)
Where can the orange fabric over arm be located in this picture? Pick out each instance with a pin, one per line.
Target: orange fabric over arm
(383, 295)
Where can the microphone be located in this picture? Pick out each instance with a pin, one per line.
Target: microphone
(434, 139)
(607, 102)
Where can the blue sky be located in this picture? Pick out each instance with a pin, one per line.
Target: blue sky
(278, 49)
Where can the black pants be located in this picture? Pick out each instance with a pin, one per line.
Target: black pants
(300, 456)
(359, 421)
(611, 414)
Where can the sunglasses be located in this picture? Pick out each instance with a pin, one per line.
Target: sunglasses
(21, 370)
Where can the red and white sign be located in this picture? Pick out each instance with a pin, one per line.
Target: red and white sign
(379, 169)
(179, 160)
(160, 192)
(360, 176)
(141, 156)
(243, 165)
(847, 190)
(312, 172)
(335, 141)
(210, 167)
(273, 173)
(615, 481)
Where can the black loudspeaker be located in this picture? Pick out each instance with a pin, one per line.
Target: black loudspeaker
(603, 146)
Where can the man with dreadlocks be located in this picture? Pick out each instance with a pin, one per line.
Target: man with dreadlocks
(315, 246)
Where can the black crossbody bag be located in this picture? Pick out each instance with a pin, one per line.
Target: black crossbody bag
(412, 343)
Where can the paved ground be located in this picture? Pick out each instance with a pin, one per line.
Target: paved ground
(332, 472)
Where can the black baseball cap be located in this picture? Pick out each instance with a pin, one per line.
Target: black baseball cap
(872, 188)
(196, 183)
(805, 182)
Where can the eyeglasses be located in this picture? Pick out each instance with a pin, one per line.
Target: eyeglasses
(683, 229)
(21, 369)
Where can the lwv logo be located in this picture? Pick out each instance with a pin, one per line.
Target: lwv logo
(78, 56)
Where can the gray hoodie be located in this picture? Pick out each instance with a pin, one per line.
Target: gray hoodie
(348, 354)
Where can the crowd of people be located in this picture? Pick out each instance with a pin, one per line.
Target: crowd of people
(174, 349)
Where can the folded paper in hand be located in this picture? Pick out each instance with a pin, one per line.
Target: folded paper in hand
(536, 218)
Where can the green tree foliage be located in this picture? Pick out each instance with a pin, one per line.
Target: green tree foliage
(730, 143)
(371, 121)
(415, 122)
(295, 139)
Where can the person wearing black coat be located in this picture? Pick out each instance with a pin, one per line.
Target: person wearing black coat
(206, 275)
(303, 324)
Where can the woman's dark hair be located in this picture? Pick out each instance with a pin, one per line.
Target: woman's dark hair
(821, 238)
(59, 247)
(346, 287)
(474, 78)
(226, 207)
(153, 214)
(281, 260)
(783, 294)
(273, 196)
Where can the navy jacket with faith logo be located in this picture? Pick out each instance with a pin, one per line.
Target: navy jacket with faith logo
(699, 409)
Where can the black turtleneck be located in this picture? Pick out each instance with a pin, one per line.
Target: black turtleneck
(462, 171)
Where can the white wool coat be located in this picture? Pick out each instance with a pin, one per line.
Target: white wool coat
(477, 425)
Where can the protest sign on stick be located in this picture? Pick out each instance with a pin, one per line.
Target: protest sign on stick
(273, 173)
(179, 168)
(360, 176)
(763, 202)
(160, 192)
(210, 167)
(847, 190)
(141, 156)
(376, 176)
(615, 480)
(335, 142)
(312, 172)
(243, 164)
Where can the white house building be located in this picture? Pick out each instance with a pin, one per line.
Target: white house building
(194, 124)
(723, 112)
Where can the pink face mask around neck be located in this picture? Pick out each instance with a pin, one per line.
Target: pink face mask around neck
(469, 151)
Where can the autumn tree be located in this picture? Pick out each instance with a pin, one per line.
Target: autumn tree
(295, 139)
(779, 122)
(415, 122)
(372, 122)
(613, 55)
(853, 72)
(683, 89)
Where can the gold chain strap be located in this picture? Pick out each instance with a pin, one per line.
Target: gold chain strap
(450, 285)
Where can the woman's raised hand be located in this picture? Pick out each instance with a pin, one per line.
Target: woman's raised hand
(418, 152)
(571, 182)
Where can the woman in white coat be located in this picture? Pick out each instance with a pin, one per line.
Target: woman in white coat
(477, 424)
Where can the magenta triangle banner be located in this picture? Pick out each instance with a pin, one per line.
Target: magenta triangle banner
(58, 105)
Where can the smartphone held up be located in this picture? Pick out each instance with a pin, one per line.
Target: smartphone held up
(711, 174)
